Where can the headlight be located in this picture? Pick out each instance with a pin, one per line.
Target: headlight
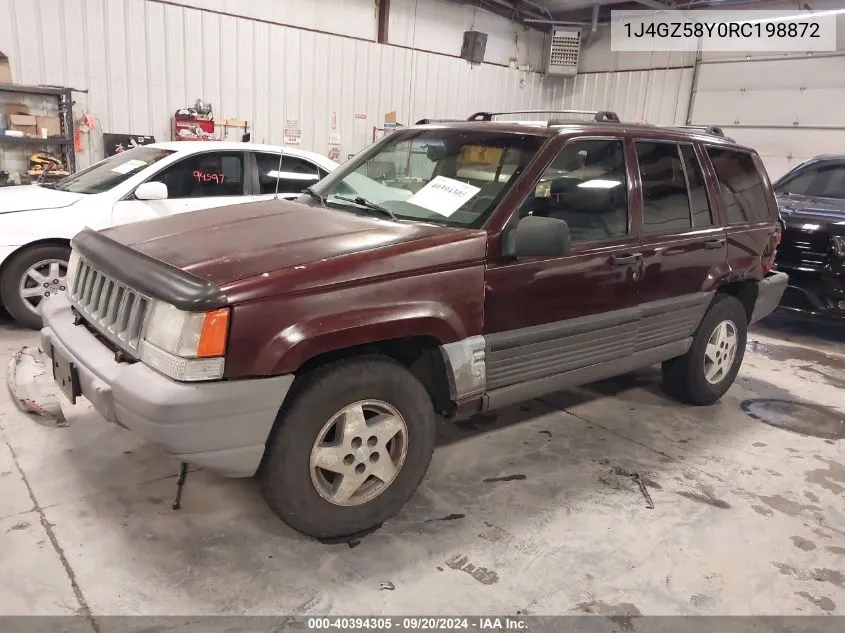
(72, 268)
(187, 346)
(838, 244)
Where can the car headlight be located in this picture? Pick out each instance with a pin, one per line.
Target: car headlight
(186, 346)
(72, 268)
(838, 244)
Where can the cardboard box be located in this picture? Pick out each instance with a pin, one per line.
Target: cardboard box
(52, 124)
(15, 108)
(5, 70)
(25, 123)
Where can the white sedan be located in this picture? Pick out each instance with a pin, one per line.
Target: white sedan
(38, 221)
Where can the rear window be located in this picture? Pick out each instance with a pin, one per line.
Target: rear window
(740, 184)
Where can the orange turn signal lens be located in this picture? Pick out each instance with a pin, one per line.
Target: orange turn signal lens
(213, 337)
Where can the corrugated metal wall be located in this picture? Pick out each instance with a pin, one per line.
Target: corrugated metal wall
(655, 96)
(141, 60)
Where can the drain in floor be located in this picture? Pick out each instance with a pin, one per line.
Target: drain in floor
(799, 417)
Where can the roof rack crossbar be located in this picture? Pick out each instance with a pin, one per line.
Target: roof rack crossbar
(713, 130)
(598, 115)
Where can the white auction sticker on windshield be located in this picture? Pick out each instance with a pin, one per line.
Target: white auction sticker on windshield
(129, 165)
(443, 195)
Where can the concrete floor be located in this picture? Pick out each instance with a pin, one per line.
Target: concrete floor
(748, 518)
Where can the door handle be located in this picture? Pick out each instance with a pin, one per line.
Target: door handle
(624, 260)
(714, 243)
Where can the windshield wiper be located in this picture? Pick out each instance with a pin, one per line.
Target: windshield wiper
(361, 201)
(310, 191)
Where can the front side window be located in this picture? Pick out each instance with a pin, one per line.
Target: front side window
(586, 186)
(820, 181)
(207, 175)
(295, 174)
(666, 203)
(445, 176)
(112, 171)
(743, 193)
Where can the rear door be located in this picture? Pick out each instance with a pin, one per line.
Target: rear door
(749, 210)
(199, 181)
(682, 244)
(546, 316)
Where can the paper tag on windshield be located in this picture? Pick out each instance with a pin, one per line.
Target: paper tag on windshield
(129, 165)
(443, 195)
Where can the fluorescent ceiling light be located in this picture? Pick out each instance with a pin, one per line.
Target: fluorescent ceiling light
(290, 175)
(600, 184)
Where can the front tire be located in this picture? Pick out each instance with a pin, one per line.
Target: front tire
(708, 369)
(31, 276)
(350, 449)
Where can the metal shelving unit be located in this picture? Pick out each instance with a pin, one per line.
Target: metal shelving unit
(64, 99)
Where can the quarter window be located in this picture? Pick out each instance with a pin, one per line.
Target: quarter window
(666, 202)
(740, 185)
(207, 175)
(586, 186)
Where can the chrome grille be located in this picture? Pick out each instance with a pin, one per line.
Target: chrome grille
(804, 250)
(114, 309)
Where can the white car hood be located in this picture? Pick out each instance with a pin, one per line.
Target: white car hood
(29, 197)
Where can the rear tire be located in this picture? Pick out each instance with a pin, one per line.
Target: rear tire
(18, 277)
(708, 369)
(393, 440)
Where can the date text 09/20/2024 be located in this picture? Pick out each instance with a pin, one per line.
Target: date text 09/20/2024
(424, 623)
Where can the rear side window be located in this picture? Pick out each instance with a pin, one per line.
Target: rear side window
(740, 184)
(701, 213)
(666, 203)
(823, 181)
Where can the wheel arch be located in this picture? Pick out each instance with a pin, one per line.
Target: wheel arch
(745, 291)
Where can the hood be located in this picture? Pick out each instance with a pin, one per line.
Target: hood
(798, 211)
(227, 244)
(29, 197)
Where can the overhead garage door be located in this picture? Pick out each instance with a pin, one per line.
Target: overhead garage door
(787, 109)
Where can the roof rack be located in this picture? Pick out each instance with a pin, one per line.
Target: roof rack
(601, 116)
(712, 130)
(429, 121)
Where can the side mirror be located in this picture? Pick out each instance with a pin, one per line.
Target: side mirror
(536, 236)
(151, 191)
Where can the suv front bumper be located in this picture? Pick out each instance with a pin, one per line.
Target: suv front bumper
(819, 295)
(222, 425)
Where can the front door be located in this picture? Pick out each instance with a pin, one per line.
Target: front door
(682, 245)
(200, 181)
(548, 316)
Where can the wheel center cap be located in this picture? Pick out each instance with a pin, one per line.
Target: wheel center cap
(362, 454)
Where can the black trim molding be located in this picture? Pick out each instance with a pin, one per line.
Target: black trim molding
(147, 275)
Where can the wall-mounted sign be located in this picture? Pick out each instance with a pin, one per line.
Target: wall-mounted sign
(360, 116)
(293, 135)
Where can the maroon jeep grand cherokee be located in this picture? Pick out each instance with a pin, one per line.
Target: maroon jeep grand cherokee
(446, 270)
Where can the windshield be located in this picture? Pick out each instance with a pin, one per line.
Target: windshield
(820, 181)
(451, 177)
(111, 171)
